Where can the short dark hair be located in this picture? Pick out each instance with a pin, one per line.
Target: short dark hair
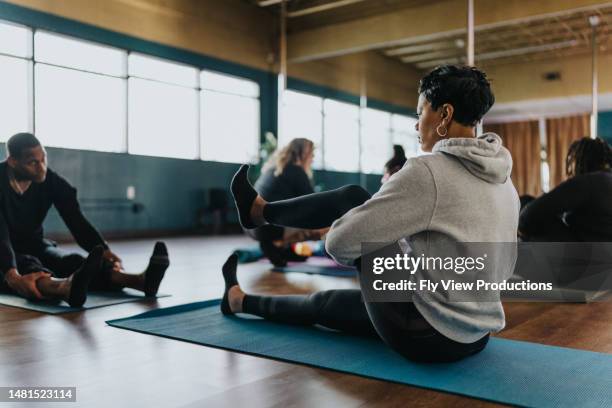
(588, 155)
(20, 142)
(466, 88)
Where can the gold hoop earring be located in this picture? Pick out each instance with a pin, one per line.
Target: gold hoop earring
(440, 133)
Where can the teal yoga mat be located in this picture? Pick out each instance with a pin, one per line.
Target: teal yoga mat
(318, 265)
(507, 371)
(94, 300)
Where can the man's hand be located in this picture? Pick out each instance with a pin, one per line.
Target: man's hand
(25, 285)
(113, 259)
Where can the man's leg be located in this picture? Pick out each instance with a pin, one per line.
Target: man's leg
(72, 288)
(109, 279)
(149, 280)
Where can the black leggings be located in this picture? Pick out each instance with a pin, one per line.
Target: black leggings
(317, 210)
(400, 325)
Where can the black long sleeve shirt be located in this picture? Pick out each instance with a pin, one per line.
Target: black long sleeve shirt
(22, 216)
(292, 182)
(583, 203)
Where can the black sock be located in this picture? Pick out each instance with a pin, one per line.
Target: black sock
(244, 196)
(156, 270)
(83, 276)
(229, 276)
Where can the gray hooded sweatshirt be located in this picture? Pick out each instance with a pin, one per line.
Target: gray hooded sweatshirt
(462, 192)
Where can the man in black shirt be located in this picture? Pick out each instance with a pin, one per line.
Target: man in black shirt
(34, 267)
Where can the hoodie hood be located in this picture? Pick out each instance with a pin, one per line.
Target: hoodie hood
(484, 156)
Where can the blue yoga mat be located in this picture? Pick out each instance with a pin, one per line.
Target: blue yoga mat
(247, 255)
(94, 300)
(507, 371)
(340, 271)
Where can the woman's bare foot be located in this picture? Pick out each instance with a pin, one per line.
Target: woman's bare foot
(235, 296)
(257, 211)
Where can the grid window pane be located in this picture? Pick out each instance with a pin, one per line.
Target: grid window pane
(341, 142)
(15, 40)
(89, 114)
(230, 128)
(229, 84)
(375, 140)
(163, 119)
(405, 134)
(15, 97)
(143, 66)
(67, 52)
(302, 117)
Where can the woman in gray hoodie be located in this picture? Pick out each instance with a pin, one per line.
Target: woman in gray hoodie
(460, 193)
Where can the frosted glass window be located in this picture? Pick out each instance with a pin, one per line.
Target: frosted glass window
(376, 144)
(229, 84)
(143, 66)
(340, 110)
(88, 114)
(15, 40)
(163, 119)
(341, 142)
(405, 134)
(302, 117)
(15, 97)
(67, 52)
(230, 128)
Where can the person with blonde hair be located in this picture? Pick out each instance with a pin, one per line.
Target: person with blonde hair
(286, 174)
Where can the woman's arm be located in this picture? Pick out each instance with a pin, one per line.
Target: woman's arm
(402, 207)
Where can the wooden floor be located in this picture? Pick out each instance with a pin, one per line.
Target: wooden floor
(115, 368)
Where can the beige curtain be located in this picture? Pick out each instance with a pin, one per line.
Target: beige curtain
(560, 133)
(523, 141)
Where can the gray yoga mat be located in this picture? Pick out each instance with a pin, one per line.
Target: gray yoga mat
(94, 300)
(506, 371)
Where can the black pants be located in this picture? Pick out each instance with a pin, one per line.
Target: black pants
(60, 264)
(400, 325)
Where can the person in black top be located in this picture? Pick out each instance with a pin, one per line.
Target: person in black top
(287, 174)
(577, 210)
(32, 266)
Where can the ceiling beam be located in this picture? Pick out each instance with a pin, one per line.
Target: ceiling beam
(430, 63)
(321, 7)
(266, 3)
(429, 22)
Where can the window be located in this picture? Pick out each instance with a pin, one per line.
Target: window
(15, 80)
(376, 145)
(303, 118)
(213, 81)
(162, 119)
(341, 141)
(162, 108)
(404, 133)
(142, 66)
(83, 95)
(63, 51)
(89, 113)
(229, 114)
(15, 97)
(15, 40)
